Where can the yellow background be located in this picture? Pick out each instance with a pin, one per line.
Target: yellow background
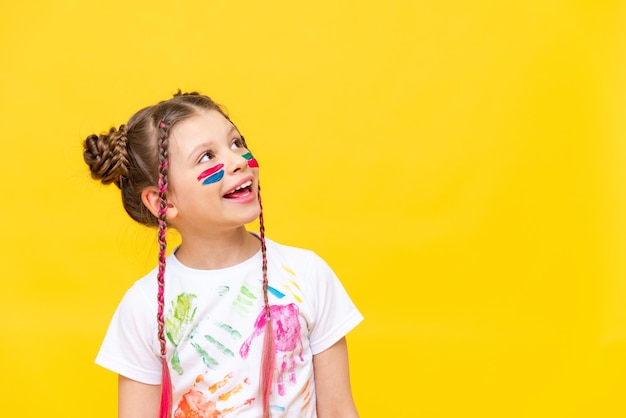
(460, 164)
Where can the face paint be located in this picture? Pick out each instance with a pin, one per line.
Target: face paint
(212, 175)
(252, 162)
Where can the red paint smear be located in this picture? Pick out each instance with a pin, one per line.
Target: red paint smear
(206, 173)
(253, 163)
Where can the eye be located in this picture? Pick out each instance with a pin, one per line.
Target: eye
(238, 143)
(206, 157)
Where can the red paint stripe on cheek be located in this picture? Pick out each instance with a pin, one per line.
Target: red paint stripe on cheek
(253, 163)
(206, 173)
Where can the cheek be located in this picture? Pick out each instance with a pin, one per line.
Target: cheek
(252, 162)
(212, 175)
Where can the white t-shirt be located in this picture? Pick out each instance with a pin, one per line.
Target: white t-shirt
(213, 324)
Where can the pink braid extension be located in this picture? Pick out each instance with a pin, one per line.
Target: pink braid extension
(264, 255)
(166, 383)
(268, 362)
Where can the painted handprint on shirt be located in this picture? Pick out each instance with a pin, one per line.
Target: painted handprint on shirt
(179, 316)
(287, 339)
(197, 403)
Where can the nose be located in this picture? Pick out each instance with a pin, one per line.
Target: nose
(236, 162)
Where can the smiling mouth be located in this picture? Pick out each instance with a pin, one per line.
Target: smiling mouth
(241, 190)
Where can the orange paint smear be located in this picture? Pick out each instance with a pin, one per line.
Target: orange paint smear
(213, 388)
(224, 396)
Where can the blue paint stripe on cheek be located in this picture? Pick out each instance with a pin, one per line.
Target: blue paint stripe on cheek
(213, 178)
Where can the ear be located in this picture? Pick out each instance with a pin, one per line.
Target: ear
(150, 199)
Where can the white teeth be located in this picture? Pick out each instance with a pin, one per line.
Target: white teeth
(244, 185)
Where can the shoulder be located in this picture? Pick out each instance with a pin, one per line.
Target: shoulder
(293, 256)
(300, 266)
(147, 286)
(137, 299)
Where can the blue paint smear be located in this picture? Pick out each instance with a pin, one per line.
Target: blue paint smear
(213, 178)
(275, 292)
(278, 408)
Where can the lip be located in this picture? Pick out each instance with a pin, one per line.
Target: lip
(239, 183)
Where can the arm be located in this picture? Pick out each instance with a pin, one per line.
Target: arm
(332, 383)
(137, 400)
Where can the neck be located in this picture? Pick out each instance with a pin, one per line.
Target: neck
(220, 251)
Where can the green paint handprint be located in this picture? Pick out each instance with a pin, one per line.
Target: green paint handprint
(178, 317)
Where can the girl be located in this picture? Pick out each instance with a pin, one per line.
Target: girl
(237, 325)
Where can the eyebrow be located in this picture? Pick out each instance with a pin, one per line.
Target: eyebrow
(208, 143)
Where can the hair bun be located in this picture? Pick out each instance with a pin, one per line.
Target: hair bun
(107, 156)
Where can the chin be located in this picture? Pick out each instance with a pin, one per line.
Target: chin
(251, 216)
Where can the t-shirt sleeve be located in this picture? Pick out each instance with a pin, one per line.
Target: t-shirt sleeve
(129, 344)
(334, 313)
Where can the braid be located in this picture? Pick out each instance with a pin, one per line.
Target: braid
(166, 384)
(264, 255)
(107, 156)
(268, 361)
(119, 150)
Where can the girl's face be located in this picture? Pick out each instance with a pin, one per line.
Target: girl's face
(213, 178)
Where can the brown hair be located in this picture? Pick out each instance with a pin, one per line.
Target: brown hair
(129, 156)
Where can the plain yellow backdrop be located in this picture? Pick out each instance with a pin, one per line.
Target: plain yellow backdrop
(461, 166)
